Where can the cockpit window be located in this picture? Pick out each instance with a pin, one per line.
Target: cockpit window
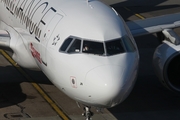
(66, 44)
(92, 47)
(107, 48)
(75, 47)
(128, 44)
(114, 47)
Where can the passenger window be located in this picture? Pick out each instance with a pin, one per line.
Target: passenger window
(93, 47)
(114, 47)
(75, 47)
(66, 44)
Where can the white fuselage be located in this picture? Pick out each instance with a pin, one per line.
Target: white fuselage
(94, 79)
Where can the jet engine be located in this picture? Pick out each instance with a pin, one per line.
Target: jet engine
(18, 42)
(166, 60)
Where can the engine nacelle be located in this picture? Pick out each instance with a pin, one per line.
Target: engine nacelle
(166, 61)
(22, 55)
(17, 40)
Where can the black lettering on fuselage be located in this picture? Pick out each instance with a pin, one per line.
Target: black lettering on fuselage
(17, 9)
(39, 9)
(7, 4)
(22, 7)
(28, 11)
(11, 7)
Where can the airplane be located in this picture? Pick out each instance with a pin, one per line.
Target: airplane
(85, 48)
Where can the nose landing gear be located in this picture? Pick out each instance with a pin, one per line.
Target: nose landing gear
(88, 114)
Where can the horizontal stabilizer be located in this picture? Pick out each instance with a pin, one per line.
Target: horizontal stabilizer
(4, 38)
(153, 25)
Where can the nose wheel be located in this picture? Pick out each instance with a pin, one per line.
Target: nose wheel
(88, 114)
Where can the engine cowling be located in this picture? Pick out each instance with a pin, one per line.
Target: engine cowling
(17, 39)
(166, 62)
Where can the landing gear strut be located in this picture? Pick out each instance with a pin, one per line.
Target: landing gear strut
(88, 114)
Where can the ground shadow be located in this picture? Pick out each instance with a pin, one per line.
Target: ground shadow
(10, 89)
(10, 84)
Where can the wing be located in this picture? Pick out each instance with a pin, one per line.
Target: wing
(153, 25)
(4, 38)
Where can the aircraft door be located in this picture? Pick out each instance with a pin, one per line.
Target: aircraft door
(48, 32)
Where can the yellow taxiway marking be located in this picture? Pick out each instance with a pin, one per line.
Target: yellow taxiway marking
(136, 14)
(36, 86)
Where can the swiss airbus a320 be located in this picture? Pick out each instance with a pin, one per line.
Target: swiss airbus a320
(85, 48)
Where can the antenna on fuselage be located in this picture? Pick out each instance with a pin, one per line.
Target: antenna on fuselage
(88, 1)
(89, 4)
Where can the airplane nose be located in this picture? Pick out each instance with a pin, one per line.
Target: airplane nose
(107, 84)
